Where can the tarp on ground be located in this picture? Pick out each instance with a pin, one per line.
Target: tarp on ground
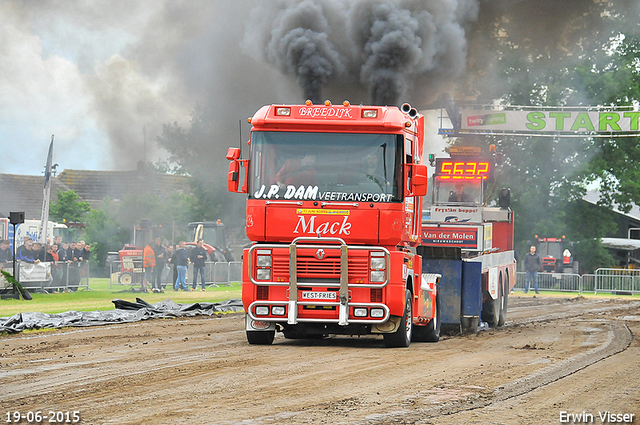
(125, 312)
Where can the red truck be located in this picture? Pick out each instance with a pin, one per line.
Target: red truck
(334, 211)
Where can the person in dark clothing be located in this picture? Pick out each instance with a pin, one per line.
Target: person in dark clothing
(63, 259)
(75, 258)
(24, 252)
(5, 252)
(38, 252)
(198, 257)
(71, 251)
(170, 255)
(460, 195)
(532, 264)
(159, 252)
(84, 264)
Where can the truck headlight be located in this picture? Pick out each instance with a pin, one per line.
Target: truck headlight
(378, 263)
(360, 312)
(377, 276)
(263, 261)
(262, 310)
(263, 274)
(277, 310)
(377, 313)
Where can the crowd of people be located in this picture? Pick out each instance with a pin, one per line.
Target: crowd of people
(68, 260)
(156, 256)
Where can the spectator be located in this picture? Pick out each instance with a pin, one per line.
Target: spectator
(171, 260)
(63, 258)
(532, 264)
(74, 270)
(159, 252)
(148, 263)
(50, 257)
(198, 257)
(53, 256)
(182, 260)
(87, 252)
(84, 264)
(63, 252)
(79, 252)
(38, 252)
(5, 252)
(24, 252)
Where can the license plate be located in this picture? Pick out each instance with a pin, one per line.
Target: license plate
(315, 295)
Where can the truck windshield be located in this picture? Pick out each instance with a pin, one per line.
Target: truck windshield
(326, 166)
(457, 192)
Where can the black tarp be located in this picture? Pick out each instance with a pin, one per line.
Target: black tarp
(125, 312)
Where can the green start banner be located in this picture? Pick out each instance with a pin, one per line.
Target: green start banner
(609, 122)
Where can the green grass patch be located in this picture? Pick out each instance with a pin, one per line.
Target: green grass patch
(568, 294)
(100, 297)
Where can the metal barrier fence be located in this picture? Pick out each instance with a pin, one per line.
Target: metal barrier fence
(216, 274)
(552, 282)
(625, 281)
(614, 281)
(48, 277)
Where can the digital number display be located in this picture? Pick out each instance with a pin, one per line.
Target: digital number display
(447, 169)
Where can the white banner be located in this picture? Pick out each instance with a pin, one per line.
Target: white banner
(550, 121)
(36, 272)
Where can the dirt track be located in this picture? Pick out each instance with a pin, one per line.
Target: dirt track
(554, 355)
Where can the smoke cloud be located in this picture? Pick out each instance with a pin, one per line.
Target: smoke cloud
(386, 46)
(105, 76)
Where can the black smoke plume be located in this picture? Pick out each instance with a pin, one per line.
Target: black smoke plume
(391, 49)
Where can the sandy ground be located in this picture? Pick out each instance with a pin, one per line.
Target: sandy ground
(554, 357)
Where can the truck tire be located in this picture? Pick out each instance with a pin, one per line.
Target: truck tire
(430, 332)
(505, 299)
(260, 337)
(402, 337)
(491, 308)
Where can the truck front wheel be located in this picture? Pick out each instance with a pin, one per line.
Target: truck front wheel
(260, 337)
(402, 336)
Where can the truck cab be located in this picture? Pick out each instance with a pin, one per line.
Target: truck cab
(334, 194)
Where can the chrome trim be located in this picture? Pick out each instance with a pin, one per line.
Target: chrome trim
(293, 284)
(386, 317)
(339, 204)
(284, 202)
(327, 285)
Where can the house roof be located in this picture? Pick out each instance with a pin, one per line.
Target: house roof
(94, 186)
(25, 193)
(21, 193)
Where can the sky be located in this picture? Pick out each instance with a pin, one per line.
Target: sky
(103, 77)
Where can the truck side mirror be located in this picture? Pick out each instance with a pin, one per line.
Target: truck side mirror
(418, 175)
(233, 177)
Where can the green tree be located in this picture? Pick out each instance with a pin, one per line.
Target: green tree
(69, 207)
(592, 63)
(105, 234)
(199, 152)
